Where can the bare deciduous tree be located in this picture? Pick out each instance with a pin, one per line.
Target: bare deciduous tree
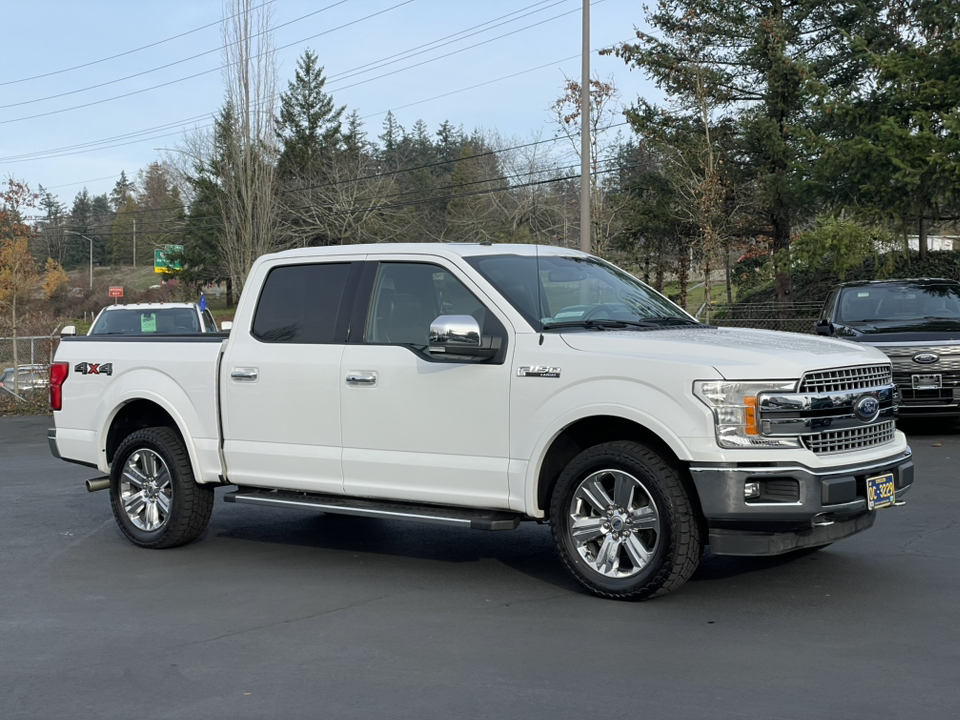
(244, 160)
(352, 203)
(603, 110)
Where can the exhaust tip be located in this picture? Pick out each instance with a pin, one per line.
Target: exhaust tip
(98, 484)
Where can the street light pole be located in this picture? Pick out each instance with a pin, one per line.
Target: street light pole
(71, 232)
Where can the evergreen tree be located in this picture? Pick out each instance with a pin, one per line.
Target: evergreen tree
(392, 140)
(761, 64)
(354, 136)
(309, 125)
(122, 191)
(892, 145)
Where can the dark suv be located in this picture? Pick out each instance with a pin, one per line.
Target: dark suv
(917, 324)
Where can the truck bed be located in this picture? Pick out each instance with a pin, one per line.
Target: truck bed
(109, 373)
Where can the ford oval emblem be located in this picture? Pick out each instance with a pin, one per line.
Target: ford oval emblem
(867, 408)
(926, 358)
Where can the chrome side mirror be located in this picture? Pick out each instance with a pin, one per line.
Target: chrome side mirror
(454, 333)
(68, 331)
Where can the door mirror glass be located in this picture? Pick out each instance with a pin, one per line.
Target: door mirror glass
(453, 333)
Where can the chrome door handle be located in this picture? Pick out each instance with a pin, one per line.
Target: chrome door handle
(366, 379)
(245, 374)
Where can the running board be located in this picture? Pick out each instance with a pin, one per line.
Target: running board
(391, 510)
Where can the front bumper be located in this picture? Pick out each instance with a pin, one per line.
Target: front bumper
(799, 507)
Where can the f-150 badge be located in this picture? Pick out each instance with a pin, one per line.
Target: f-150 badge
(86, 368)
(538, 371)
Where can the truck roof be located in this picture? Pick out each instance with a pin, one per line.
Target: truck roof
(426, 248)
(896, 281)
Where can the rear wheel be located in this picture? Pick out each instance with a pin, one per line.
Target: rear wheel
(623, 523)
(155, 498)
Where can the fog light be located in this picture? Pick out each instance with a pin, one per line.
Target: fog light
(751, 490)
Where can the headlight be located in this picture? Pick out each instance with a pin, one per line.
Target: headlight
(734, 406)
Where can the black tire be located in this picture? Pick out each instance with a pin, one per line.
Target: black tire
(180, 509)
(671, 546)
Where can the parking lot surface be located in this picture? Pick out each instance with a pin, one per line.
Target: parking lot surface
(292, 614)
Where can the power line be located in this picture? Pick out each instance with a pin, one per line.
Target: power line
(436, 44)
(168, 65)
(37, 154)
(125, 52)
(195, 75)
(283, 47)
(91, 145)
(460, 50)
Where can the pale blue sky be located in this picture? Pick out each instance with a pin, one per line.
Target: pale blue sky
(40, 135)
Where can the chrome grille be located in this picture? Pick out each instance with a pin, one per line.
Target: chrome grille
(848, 440)
(902, 358)
(844, 379)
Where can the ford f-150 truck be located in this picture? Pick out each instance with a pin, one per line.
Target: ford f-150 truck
(485, 385)
(916, 323)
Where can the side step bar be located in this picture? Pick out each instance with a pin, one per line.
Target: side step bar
(387, 509)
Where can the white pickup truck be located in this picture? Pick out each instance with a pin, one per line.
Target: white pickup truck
(485, 385)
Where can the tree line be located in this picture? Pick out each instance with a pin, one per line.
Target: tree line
(793, 134)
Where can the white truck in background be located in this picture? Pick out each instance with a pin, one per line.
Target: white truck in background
(165, 318)
(482, 386)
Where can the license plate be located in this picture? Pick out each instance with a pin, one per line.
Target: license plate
(881, 491)
(927, 382)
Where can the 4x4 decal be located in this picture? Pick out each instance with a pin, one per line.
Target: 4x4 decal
(86, 368)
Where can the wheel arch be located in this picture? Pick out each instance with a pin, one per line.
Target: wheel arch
(587, 432)
(136, 415)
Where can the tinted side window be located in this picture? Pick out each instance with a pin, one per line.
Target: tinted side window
(408, 297)
(300, 303)
(209, 325)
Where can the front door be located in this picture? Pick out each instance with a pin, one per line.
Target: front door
(418, 427)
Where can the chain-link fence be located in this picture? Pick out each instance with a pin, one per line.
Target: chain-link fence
(800, 317)
(31, 350)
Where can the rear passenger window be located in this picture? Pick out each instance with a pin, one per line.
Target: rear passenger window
(300, 303)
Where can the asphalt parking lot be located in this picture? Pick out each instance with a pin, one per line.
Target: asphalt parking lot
(290, 614)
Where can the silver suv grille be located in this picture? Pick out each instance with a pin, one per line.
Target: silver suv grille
(845, 379)
(849, 440)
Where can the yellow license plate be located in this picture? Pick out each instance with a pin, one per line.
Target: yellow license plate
(881, 491)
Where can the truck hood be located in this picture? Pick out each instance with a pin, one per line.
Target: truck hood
(736, 353)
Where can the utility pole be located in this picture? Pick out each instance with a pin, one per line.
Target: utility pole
(585, 133)
(134, 242)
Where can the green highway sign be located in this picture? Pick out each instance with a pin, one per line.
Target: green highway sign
(160, 263)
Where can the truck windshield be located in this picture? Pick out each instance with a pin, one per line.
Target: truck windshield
(906, 303)
(577, 292)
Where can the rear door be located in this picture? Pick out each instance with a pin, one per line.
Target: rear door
(280, 379)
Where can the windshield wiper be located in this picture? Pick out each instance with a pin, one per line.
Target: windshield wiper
(600, 324)
(671, 320)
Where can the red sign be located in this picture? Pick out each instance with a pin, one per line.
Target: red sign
(116, 292)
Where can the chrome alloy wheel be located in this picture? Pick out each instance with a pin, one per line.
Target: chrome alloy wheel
(614, 523)
(146, 491)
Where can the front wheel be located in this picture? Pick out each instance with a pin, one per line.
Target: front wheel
(155, 498)
(623, 522)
